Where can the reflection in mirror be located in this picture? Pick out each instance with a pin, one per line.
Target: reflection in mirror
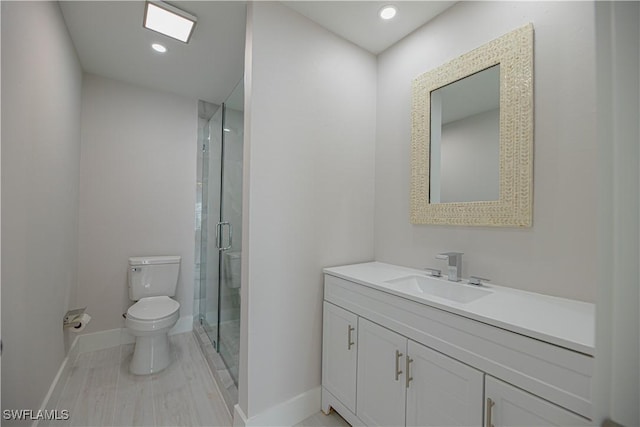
(465, 139)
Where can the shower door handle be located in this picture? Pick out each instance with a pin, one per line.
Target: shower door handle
(219, 233)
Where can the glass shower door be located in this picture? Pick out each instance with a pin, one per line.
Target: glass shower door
(231, 218)
(221, 227)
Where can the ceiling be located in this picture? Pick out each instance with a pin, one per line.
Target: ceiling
(111, 42)
(358, 21)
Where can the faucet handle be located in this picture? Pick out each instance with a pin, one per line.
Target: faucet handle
(434, 272)
(476, 280)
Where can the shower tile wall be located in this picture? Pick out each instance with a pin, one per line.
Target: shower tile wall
(230, 294)
(205, 112)
(211, 183)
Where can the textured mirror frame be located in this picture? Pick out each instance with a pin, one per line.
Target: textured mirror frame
(514, 53)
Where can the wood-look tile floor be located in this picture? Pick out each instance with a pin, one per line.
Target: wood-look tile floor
(100, 391)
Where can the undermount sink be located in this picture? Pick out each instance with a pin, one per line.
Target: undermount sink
(429, 286)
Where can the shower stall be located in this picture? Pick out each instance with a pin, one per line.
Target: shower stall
(219, 239)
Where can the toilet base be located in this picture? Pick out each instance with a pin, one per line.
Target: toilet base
(151, 354)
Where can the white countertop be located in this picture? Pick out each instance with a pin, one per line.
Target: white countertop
(559, 321)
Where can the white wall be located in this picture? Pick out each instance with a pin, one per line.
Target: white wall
(41, 85)
(557, 256)
(0, 203)
(617, 380)
(137, 198)
(625, 394)
(309, 156)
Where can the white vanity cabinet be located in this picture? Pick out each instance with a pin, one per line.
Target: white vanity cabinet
(391, 361)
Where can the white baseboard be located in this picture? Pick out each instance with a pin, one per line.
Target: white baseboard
(104, 339)
(115, 337)
(57, 385)
(239, 418)
(287, 413)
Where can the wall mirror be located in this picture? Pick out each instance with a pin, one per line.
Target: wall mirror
(472, 137)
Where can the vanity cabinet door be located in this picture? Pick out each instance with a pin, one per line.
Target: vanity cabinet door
(381, 378)
(442, 391)
(507, 405)
(340, 354)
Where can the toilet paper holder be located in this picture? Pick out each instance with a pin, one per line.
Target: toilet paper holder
(72, 318)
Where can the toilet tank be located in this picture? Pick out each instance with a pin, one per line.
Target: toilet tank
(153, 276)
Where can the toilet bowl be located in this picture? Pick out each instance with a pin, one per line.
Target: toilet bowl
(152, 280)
(149, 320)
(232, 269)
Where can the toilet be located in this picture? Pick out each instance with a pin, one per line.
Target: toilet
(152, 281)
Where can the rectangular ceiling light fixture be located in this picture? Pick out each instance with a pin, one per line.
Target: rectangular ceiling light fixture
(168, 20)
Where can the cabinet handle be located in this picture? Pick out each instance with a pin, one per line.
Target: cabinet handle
(398, 371)
(490, 404)
(408, 369)
(349, 338)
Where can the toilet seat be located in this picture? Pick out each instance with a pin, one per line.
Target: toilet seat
(153, 308)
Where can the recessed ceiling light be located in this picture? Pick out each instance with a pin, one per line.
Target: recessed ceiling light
(158, 48)
(168, 20)
(387, 12)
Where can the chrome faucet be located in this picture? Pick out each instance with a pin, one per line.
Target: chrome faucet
(455, 265)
